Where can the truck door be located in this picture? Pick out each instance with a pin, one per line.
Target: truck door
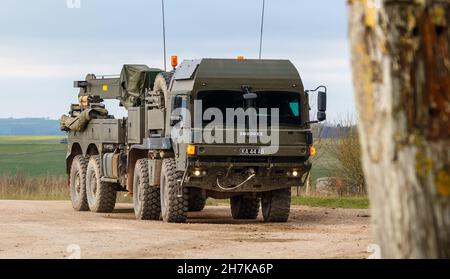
(180, 120)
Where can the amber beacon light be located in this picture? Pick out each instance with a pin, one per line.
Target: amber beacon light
(174, 61)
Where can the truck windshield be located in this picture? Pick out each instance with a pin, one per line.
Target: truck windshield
(288, 104)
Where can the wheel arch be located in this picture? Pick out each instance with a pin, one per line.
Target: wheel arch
(133, 156)
(75, 150)
(92, 149)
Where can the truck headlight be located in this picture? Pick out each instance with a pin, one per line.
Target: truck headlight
(293, 173)
(199, 173)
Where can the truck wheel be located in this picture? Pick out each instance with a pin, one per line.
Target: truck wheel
(245, 207)
(101, 195)
(197, 199)
(173, 207)
(77, 184)
(276, 205)
(146, 198)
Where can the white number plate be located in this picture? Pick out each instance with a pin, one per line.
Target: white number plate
(251, 151)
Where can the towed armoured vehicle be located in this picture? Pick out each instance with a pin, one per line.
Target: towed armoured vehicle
(191, 134)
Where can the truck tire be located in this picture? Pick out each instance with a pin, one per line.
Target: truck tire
(77, 184)
(146, 198)
(197, 199)
(276, 205)
(174, 208)
(245, 207)
(101, 195)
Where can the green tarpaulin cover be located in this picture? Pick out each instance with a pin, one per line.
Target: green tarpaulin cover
(134, 79)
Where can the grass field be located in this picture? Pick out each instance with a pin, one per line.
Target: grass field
(35, 156)
(29, 139)
(323, 161)
(33, 168)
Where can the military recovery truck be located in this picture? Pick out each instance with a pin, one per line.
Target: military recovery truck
(169, 177)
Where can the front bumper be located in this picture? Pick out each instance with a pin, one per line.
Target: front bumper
(270, 173)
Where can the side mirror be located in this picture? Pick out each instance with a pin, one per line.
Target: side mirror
(321, 106)
(321, 116)
(321, 103)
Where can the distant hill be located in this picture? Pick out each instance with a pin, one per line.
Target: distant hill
(29, 127)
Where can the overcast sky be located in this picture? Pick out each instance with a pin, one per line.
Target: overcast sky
(45, 46)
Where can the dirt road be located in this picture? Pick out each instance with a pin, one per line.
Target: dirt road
(30, 229)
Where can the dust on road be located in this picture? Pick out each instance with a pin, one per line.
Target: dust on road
(42, 229)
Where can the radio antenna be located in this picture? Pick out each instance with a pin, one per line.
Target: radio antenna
(262, 29)
(164, 34)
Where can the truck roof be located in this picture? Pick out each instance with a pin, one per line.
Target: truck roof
(235, 68)
(254, 72)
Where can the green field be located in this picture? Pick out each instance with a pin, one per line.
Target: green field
(323, 162)
(34, 155)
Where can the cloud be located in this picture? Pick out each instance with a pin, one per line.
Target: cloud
(60, 59)
(49, 67)
(63, 59)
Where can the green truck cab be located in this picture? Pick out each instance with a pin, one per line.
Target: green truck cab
(235, 129)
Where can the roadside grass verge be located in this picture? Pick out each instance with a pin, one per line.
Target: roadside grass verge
(21, 186)
(316, 201)
(24, 187)
(332, 202)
